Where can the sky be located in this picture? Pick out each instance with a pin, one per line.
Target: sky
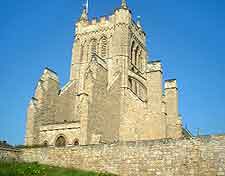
(187, 36)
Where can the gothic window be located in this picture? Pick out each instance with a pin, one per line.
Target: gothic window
(136, 56)
(60, 142)
(103, 47)
(142, 63)
(140, 60)
(81, 53)
(76, 142)
(93, 47)
(132, 52)
(137, 88)
(130, 83)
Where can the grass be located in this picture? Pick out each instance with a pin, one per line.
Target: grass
(34, 169)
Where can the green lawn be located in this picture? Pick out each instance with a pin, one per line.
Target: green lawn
(34, 169)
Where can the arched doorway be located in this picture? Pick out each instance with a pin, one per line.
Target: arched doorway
(60, 141)
(45, 143)
(76, 142)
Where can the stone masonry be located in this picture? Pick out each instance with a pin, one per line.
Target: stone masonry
(202, 156)
(9, 154)
(115, 93)
(116, 113)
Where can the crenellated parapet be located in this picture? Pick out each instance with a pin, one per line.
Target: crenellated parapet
(120, 16)
(171, 84)
(154, 66)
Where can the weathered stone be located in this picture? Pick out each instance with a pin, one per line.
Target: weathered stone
(114, 93)
(192, 157)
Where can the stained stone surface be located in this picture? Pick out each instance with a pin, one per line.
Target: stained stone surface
(167, 157)
(114, 93)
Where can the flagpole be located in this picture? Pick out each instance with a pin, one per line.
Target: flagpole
(87, 3)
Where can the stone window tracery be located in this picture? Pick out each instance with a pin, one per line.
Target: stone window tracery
(93, 47)
(136, 56)
(137, 88)
(132, 52)
(81, 53)
(140, 60)
(129, 82)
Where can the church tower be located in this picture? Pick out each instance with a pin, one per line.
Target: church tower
(114, 93)
(119, 43)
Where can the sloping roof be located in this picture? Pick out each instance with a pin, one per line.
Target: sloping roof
(187, 134)
(5, 144)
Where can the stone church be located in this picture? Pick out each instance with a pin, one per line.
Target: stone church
(115, 93)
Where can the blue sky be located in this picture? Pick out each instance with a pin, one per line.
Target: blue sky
(187, 36)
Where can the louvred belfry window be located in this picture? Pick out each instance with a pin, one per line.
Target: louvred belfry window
(93, 47)
(103, 47)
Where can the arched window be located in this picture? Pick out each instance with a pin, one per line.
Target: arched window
(140, 60)
(136, 56)
(135, 87)
(132, 52)
(76, 142)
(60, 141)
(45, 143)
(130, 83)
(103, 47)
(93, 47)
(81, 53)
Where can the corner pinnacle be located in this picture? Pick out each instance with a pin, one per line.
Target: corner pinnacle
(84, 16)
(124, 4)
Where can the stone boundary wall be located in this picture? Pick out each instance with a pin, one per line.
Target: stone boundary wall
(8, 154)
(202, 156)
